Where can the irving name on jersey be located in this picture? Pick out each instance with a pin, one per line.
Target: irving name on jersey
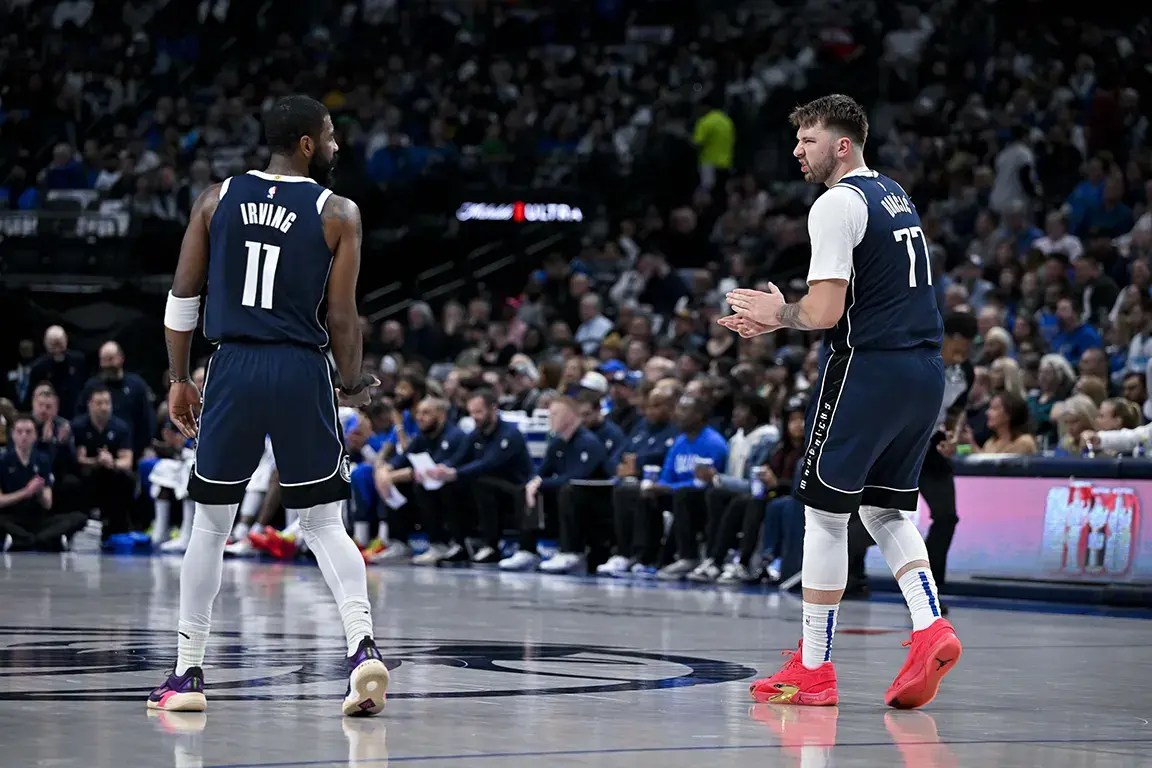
(268, 215)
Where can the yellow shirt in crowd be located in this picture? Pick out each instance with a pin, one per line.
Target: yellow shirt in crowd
(715, 137)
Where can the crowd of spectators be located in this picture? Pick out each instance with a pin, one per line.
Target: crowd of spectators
(1026, 151)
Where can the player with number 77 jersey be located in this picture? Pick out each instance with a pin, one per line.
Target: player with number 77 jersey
(874, 412)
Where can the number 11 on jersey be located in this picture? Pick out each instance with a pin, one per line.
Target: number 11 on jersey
(908, 234)
(252, 281)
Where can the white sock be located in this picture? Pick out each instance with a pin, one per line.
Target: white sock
(382, 531)
(360, 532)
(190, 645)
(357, 617)
(161, 520)
(256, 528)
(919, 590)
(343, 568)
(200, 574)
(240, 532)
(291, 529)
(819, 629)
(901, 544)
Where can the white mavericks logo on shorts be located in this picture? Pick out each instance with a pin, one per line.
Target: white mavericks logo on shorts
(346, 469)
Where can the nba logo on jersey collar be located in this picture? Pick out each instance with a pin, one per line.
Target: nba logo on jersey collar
(271, 191)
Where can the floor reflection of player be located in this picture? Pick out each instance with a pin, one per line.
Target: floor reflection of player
(808, 736)
(367, 739)
(367, 743)
(186, 730)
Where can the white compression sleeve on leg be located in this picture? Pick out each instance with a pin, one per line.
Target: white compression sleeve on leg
(343, 568)
(825, 550)
(200, 575)
(895, 535)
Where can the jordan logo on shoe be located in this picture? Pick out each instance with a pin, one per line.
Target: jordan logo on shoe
(941, 663)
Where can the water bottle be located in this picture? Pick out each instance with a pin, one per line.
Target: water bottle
(651, 474)
(757, 483)
(702, 462)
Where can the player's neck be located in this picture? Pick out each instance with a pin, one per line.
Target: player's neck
(282, 166)
(24, 455)
(845, 168)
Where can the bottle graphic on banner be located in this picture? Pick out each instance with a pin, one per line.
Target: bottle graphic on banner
(1098, 533)
(1122, 525)
(1055, 529)
(1076, 526)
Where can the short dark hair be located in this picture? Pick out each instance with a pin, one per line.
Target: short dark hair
(758, 406)
(291, 118)
(487, 395)
(418, 383)
(24, 417)
(97, 389)
(961, 324)
(838, 112)
(45, 388)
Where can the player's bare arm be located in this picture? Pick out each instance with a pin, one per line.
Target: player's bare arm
(821, 308)
(182, 314)
(345, 232)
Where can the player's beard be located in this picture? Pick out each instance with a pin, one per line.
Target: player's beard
(321, 169)
(821, 170)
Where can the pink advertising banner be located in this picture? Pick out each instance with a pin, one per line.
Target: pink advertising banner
(1090, 531)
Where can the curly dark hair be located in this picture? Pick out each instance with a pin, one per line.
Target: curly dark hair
(837, 112)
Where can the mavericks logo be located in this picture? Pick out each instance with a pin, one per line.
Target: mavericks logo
(99, 664)
(346, 469)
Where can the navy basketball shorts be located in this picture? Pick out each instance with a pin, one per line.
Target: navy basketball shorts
(282, 391)
(868, 427)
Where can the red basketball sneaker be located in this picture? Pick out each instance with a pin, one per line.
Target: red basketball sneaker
(796, 684)
(935, 651)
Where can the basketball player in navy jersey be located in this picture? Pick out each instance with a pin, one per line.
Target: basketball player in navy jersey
(280, 255)
(881, 386)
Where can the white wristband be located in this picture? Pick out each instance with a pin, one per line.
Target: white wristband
(182, 314)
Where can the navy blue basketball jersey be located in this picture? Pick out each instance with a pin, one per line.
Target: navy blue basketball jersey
(269, 262)
(890, 303)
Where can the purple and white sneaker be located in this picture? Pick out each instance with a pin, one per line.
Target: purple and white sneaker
(367, 681)
(180, 693)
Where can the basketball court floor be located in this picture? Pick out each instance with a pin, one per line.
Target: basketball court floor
(493, 670)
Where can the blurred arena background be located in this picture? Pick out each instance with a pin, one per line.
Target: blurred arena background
(556, 197)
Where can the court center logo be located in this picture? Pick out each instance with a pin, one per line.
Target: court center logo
(100, 664)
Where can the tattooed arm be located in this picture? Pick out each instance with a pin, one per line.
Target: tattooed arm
(344, 232)
(821, 308)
